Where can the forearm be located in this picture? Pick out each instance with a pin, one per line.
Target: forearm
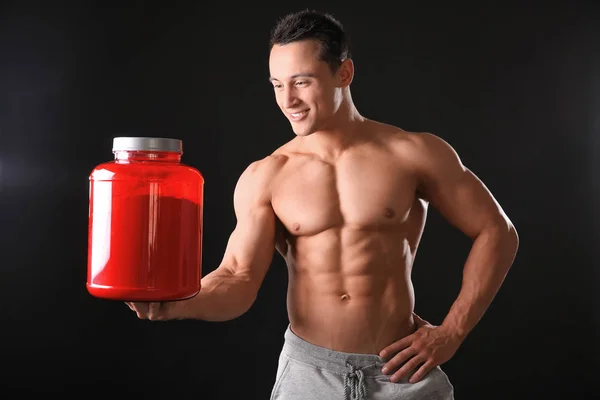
(489, 261)
(224, 295)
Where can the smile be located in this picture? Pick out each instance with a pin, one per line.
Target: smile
(298, 116)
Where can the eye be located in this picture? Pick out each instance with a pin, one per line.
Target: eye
(301, 83)
(277, 85)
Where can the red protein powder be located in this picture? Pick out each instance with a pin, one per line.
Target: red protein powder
(145, 233)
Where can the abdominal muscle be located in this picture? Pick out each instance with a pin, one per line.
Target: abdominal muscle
(356, 300)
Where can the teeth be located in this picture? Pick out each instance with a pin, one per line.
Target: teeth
(296, 115)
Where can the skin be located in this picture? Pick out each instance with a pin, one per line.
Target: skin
(344, 203)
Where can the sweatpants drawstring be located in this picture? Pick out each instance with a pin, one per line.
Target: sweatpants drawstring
(354, 383)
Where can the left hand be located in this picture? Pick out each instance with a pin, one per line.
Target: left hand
(428, 347)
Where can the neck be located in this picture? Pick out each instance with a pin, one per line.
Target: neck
(340, 133)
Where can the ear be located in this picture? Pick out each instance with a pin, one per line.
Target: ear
(346, 73)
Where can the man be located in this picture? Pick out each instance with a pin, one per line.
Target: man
(344, 202)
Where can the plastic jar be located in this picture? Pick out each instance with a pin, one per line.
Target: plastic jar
(145, 223)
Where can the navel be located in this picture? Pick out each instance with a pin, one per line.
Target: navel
(345, 297)
(389, 213)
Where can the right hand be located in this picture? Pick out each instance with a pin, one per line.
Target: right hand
(151, 311)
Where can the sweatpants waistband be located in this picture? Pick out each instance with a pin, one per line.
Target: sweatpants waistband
(335, 361)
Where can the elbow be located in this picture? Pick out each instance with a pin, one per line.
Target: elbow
(514, 237)
(508, 238)
(503, 236)
(510, 247)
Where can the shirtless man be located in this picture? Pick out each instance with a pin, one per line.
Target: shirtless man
(345, 202)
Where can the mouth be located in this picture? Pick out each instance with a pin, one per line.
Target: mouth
(298, 116)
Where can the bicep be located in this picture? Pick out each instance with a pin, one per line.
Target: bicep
(251, 246)
(456, 192)
(252, 243)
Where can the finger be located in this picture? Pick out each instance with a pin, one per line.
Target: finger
(141, 309)
(422, 372)
(130, 305)
(396, 346)
(407, 368)
(398, 360)
(154, 311)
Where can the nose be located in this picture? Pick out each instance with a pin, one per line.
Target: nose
(289, 98)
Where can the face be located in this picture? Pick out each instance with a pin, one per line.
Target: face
(306, 90)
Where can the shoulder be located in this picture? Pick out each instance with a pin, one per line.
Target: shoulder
(424, 149)
(267, 166)
(435, 156)
(255, 181)
(434, 163)
(263, 170)
(428, 142)
(427, 155)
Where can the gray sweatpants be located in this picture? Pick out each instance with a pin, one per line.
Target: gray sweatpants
(309, 372)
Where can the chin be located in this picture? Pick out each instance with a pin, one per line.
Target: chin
(303, 131)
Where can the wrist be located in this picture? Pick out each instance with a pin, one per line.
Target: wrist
(455, 331)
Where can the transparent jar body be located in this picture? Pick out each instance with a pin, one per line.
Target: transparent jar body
(145, 228)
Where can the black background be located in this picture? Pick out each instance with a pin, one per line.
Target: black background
(515, 89)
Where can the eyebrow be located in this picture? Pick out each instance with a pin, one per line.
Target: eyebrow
(301, 75)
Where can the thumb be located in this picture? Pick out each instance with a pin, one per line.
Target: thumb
(420, 321)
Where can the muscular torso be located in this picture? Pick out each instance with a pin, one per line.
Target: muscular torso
(348, 230)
